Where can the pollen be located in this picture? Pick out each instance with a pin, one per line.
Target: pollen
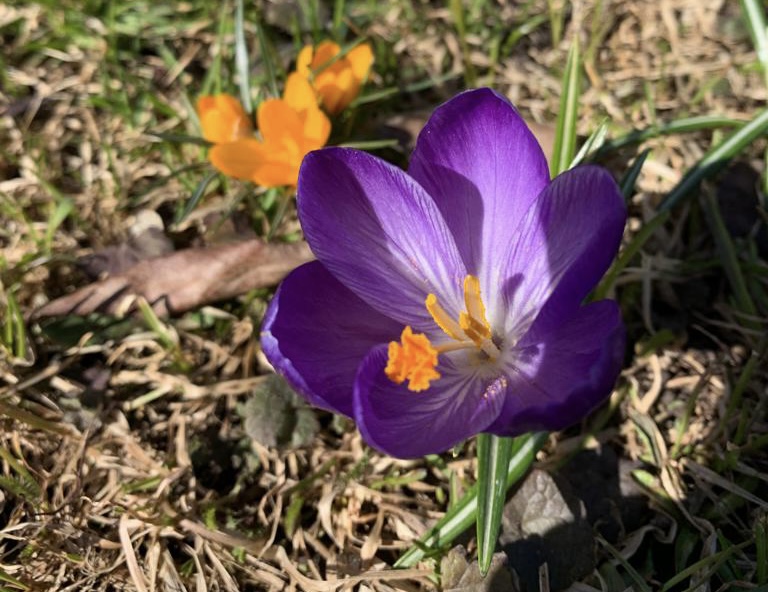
(413, 359)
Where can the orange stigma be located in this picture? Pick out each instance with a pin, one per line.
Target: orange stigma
(414, 358)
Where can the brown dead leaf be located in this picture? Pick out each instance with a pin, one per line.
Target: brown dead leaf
(186, 279)
(146, 240)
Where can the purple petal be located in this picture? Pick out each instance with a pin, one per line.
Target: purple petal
(484, 168)
(316, 333)
(567, 241)
(379, 233)
(560, 371)
(410, 424)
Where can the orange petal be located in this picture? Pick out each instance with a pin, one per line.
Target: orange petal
(350, 93)
(325, 52)
(222, 118)
(317, 128)
(298, 93)
(361, 60)
(205, 103)
(304, 61)
(332, 89)
(274, 174)
(239, 159)
(251, 160)
(278, 120)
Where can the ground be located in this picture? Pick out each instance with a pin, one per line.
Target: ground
(134, 454)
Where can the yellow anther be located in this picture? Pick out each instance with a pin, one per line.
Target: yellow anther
(413, 359)
(446, 323)
(475, 307)
(474, 329)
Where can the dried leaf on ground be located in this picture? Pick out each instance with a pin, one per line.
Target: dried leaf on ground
(275, 415)
(544, 523)
(185, 280)
(461, 575)
(146, 240)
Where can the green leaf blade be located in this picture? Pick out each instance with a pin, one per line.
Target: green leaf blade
(241, 59)
(716, 158)
(461, 516)
(493, 455)
(565, 135)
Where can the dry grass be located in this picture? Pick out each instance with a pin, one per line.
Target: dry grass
(124, 462)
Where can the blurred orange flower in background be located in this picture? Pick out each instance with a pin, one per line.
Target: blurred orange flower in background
(338, 83)
(222, 118)
(290, 127)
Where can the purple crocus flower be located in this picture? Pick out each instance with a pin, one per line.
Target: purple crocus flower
(447, 301)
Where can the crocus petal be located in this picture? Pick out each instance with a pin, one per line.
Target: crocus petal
(407, 424)
(560, 371)
(379, 233)
(565, 244)
(347, 88)
(279, 122)
(304, 60)
(298, 93)
(222, 118)
(238, 159)
(251, 160)
(324, 52)
(361, 60)
(276, 173)
(484, 168)
(316, 332)
(317, 129)
(330, 89)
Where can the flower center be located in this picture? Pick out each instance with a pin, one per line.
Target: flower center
(414, 358)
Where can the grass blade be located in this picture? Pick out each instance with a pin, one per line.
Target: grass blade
(9, 579)
(15, 330)
(493, 454)
(371, 144)
(678, 126)
(627, 254)
(180, 138)
(409, 88)
(196, 197)
(565, 134)
(461, 516)
(338, 19)
(753, 14)
(630, 178)
(716, 158)
(727, 251)
(241, 59)
(637, 579)
(592, 145)
(266, 57)
(457, 11)
(761, 547)
(212, 80)
(56, 218)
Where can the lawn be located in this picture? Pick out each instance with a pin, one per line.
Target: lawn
(145, 441)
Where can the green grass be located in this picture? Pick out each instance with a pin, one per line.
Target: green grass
(103, 419)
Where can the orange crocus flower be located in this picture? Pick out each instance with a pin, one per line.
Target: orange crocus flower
(290, 127)
(222, 118)
(338, 83)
